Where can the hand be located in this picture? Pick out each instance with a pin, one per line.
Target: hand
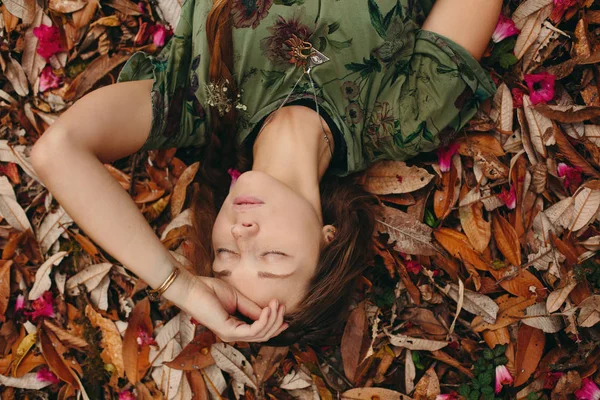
(212, 302)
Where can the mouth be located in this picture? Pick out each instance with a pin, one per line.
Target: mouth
(242, 203)
(247, 200)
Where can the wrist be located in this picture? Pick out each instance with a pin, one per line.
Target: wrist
(177, 292)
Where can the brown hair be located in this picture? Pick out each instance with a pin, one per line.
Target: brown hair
(344, 204)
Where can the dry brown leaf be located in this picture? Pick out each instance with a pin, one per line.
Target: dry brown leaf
(111, 343)
(4, 286)
(446, 197)
(530, 30)
(395, 177)
(66, 337)
(589, 312)
(179, 192)
(135, 356)
(530, 347)
(510, 310)
(585, 208)
(480, 143)
(428, 387)
(506, 239)
(412, 343)
(477, 229)
(372, 394)
(571, 153)
(95, 71)
(457, 244)
(267, 360)
(355, 341)
(410, 236)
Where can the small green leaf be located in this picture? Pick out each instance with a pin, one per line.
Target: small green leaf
(474, 395)
(485, 379)
(502, 360)
(488, 354)
(464, 390)
(499, 350)
(430, 219)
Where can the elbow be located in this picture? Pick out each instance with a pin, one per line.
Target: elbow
(46, 149)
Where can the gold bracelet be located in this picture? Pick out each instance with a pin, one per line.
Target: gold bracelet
(154, 294)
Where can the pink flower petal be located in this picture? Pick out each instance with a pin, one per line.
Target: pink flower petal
(517, 95)
(445, 156)
(49, 40)
(144, 337)
(589, 391)
(541, 87)
(509, 197)
(503, 377)
(560, 7)
(504, 29)
(45, 375)
(48, 80)
(42, 307)
(126, 395)
(414, 267)
(234, 174)
(160, 33)
(572, 175)
(20, 303)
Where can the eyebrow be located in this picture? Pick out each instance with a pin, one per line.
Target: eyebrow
(261, 274)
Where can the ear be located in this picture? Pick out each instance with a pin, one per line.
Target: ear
(329, 232)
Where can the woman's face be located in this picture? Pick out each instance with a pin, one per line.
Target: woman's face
(267, 240)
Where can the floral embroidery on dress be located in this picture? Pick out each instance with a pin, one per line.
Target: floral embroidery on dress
(249, 13)
(274, 46)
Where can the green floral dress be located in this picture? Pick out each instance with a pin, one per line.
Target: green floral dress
(390, 89)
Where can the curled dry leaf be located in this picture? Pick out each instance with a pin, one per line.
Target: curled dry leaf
(267, 361)
(410, 235)
(446, 197)
(477, 229)
(412, 343)
(475, 303)
(395, 177)
(557, 298)
(510, 310)
(111, 343)
(373, 393)
(536, 316)
(355, 340)
(234, 363)
(587, 202)
(90, 277)
(428, 386)
(179, 192)
(506, 239)
(589, 312)
(42, 275)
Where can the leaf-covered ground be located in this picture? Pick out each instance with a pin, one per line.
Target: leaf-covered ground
(486, 282)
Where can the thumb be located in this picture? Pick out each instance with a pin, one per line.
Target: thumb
(247, 306)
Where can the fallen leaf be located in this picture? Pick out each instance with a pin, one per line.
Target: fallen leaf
(410, 236)
(234, 363)
(530, 347)
(395, 177)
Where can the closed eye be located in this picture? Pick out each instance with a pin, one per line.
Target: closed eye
(274, 252)
(223, 250)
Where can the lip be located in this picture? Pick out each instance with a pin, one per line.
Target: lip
(247, 201)
(245, 207)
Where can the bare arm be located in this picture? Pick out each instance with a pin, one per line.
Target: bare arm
(105, 125)
(470, 23)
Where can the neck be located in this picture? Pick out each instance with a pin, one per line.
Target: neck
(292, 149)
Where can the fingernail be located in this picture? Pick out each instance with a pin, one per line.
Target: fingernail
(285, 326)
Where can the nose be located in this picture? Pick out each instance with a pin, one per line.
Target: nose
(244, 230)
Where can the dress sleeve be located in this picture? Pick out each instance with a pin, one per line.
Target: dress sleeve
(176, 112)
(434, 93)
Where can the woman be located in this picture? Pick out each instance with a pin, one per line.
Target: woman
(360, 82)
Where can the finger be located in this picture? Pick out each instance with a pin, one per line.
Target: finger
(273, 304)
(277, 324)
(284, 326)
(244, 331)
(248, 307)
